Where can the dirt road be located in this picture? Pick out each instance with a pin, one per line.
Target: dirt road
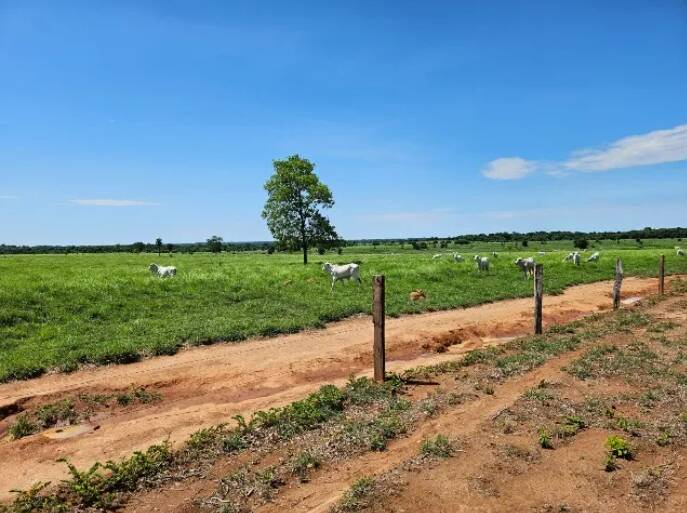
(208, 385)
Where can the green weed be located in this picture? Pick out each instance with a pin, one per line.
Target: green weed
(438, 447)
(22, 427)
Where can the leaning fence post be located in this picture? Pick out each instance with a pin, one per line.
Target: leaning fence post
(538, 297)
(661, 274)
(378, 321)
(617, 283)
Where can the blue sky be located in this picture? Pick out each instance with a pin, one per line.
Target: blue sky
(129, 120)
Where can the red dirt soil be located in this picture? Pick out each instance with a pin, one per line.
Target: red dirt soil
(208, 385)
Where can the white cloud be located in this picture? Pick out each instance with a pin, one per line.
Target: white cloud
(657, 147)
(8, 197)
(111, 203)
(509, 168)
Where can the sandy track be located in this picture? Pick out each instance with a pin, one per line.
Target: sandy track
(208, 385)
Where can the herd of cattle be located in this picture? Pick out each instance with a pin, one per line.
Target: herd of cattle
(352, 271)
(526, 265)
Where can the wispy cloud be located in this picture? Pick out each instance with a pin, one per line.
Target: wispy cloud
(637, 150)
(8, 197)
(657, 147)
(111, 203)
(509, 168)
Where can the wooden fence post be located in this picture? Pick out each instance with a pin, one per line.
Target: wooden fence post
(378, 321)
(617, 283)
(661, 274)
(538, 297)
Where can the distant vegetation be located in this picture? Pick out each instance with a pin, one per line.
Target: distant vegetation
(635, 238)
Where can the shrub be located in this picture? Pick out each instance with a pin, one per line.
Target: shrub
(233, 442)
(302, 415)
(663, 439)
(357, 497)
(303, 463)
(575, 421)
(618, 447)
(22, 427)
(440, 447)
(50, 414)
(385, 428)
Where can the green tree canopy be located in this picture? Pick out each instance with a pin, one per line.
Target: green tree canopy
(215, 243)
(295, 200)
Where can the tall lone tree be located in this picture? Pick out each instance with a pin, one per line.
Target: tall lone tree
(295, 200)
(158, 243)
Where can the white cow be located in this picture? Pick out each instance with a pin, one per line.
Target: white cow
(482, 263)
(162, 271)
(594, 257)
(437, 256)
(494, 254)
(526, 265)
(342, 272)
(680, 252)
(457, 257)
(573, 257)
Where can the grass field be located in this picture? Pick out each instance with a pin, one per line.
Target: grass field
(60, 311)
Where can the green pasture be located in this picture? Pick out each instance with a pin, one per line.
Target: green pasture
(60, 311)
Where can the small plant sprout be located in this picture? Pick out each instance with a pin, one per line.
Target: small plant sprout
(545, 439)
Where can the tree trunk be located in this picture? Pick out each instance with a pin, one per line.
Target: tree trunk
(304, 238)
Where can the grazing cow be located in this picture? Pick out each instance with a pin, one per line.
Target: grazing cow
(457, 257)
(342, 272)
(437, 256)
(573, 257)
(482, 263)
(542, 252)
(594, 257)
(680, 252)
(526, 265)
(494, 254)
(162, 271)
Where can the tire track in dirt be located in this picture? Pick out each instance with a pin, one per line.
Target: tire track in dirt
(208, 385)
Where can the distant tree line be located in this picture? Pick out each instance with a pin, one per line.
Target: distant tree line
(217, 244)
(140, 247)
